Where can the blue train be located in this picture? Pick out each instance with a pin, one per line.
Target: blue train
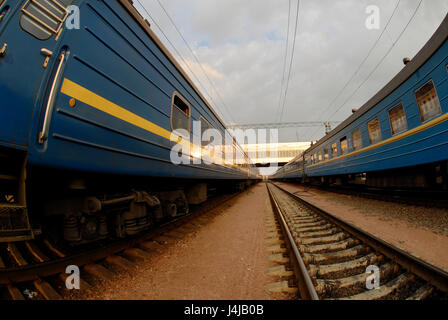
(398, 139)
(86, 120)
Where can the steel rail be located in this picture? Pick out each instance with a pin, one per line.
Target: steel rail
(305, 283)
(426, 271)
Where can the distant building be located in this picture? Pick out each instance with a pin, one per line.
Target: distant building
(281, 153)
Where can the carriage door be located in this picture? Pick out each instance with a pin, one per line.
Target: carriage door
(29, 60)
(29, 31)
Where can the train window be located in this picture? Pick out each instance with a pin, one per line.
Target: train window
(204, 127)
(334, 149)
(357, 139)
(320, 156)
(428, 101)
(44, 18)
(344, 145)
(326, 155)
(180, 113)
(374, 131)
(397, 119)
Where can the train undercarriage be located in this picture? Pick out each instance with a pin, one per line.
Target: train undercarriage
(428, 177)
(80, 208)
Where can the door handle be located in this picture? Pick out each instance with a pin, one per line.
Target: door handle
(3, 50)
(48, 55)
(50, 103)
(3, 14)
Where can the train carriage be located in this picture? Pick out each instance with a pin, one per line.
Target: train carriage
(399, 138)
(89, 104)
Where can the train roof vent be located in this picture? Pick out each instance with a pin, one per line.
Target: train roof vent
(44, 18)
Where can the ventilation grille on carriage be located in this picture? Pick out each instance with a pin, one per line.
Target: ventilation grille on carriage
(44, 18)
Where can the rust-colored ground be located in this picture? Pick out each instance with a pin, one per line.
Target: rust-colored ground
(420, 231)
(226, 258)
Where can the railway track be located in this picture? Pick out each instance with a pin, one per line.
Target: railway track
(333, 259)
(37, 269)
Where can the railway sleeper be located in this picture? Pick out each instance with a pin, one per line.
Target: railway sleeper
(136, 255)
(16, 255)
(352, 285)
(296, 211)
(308, 219)
(54, 250)
(312, 229)
(422, 293)
(36, 253)
(344, 269)
(120, 263)
(97, 271)
(385, 291)
(322, 240)
(46, 290)
(14, 293)
(316, 234)
(337, 246)
(313, 224)
(337, 256)
(310, 215)
(301, 223)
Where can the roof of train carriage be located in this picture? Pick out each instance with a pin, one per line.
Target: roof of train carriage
(146, 26)
(128, 5)
(437, 39)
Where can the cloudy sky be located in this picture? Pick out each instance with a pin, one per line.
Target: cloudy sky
(241, 45)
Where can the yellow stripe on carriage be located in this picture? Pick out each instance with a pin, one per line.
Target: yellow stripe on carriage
(96, 101)
(86, 96)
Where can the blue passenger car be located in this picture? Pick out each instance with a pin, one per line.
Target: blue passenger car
(294, 169)
(399, 138)
(98, 102)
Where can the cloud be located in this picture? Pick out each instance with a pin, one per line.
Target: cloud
(241, 46)
(198, 68)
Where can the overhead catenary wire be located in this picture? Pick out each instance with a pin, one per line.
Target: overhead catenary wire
(360, 65)
(176, 50)
(178, 53)
(363, 61)
(382, 59)
(197, 60)
(285, 59)
(291, 61)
